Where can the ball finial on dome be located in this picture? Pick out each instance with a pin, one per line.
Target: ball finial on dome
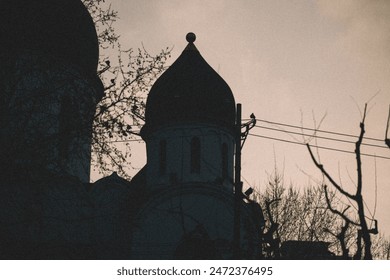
(191, 37)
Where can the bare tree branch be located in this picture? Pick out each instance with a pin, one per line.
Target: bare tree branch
(387, 139)
(363, 232)
(335, 211)
(358, 156)
(322, 169)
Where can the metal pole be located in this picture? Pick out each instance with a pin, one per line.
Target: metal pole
(237, 187)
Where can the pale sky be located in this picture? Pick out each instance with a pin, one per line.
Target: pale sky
(286, 61)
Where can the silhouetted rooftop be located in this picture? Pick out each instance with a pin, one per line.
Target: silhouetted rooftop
(190, 91)
(61, 28)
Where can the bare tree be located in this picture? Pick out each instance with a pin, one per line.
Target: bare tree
(295, 215)
(271, 238)
(312, 214)
(342, 235)
(364, 231)
(380, 247)
(127, 78)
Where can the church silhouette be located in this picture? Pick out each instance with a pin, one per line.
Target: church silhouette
(181, 204)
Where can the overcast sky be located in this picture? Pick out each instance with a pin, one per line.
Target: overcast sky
(291, 62)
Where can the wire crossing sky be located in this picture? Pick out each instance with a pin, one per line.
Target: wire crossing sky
(308, 139)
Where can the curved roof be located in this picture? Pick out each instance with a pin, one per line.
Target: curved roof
(62, 28)
(189, 91)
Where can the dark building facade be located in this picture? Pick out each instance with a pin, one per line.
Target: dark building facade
(49, 90)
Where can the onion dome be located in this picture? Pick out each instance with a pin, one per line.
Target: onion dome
(189, 91)
(60, 28)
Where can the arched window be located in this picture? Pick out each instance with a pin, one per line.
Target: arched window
(224, 160)
(195, 155)
(163, 156)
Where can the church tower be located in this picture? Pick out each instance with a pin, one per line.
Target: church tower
(190, 142)
(189, 125)
(48, 88)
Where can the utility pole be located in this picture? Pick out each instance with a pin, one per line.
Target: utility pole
(237, 188)
(238, 195)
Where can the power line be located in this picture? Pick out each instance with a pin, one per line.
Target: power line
(317, 130)
(297, 133)
(316, 146)
(319, 137)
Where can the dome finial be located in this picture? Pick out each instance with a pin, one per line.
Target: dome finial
(191, 37)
